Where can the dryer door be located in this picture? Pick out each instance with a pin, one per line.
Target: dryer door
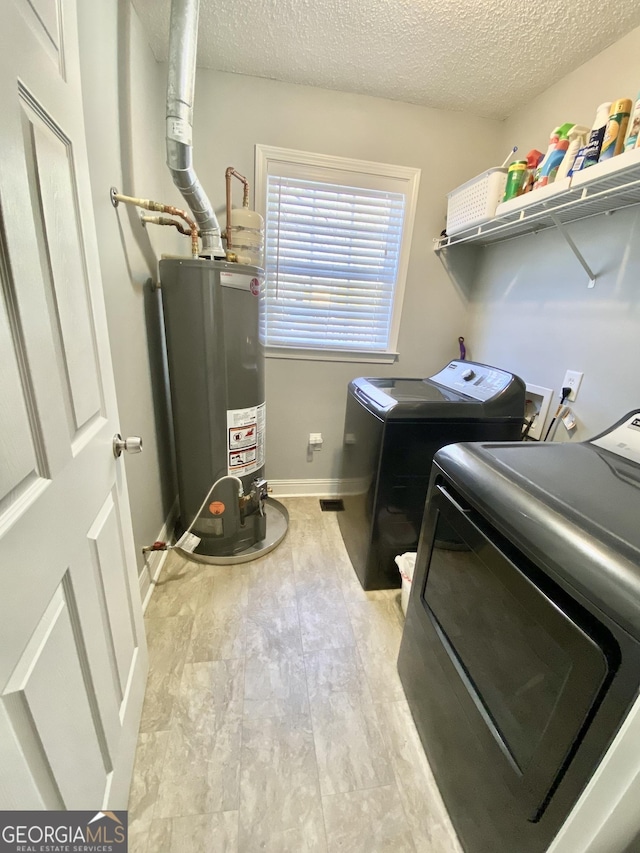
(519, 645)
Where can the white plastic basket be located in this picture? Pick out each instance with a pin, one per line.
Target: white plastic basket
(475, 202)
(406, 564)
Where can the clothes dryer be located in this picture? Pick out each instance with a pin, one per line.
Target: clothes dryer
(520, 656)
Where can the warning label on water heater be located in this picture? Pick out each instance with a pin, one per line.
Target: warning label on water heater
(245, 431)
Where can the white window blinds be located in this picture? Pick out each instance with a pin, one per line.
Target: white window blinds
(331, 264)
(336, 253)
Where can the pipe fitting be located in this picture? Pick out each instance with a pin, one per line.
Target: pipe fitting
(231, 172)
(149, 204)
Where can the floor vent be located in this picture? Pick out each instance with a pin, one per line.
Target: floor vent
(331, 505)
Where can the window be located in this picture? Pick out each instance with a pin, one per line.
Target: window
(338, 233)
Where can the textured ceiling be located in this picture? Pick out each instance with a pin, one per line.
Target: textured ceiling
(484, 56)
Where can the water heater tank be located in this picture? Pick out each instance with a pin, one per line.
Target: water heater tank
(216, 375)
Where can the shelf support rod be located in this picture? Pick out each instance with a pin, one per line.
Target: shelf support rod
(576, 251)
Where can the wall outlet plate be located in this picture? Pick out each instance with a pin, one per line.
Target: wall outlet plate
(538, 401)
(572, 379)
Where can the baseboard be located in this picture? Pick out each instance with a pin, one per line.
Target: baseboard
(314, 488)
(154, 560)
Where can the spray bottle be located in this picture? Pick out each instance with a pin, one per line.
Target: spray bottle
(577, 139)
(558, 145)
(588, 156)
(534, 158)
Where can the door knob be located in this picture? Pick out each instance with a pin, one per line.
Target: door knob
(132, 444)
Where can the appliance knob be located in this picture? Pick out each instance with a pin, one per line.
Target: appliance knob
(132, 444)
(468, 375)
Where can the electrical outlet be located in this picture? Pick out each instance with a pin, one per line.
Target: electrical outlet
(315, 439)
(572, 379)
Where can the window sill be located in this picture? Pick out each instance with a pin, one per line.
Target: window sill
(332, 355)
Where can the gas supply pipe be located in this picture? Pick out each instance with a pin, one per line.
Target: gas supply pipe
(158, 207)
(166, 220)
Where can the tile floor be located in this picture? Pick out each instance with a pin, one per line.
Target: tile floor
(274, 718)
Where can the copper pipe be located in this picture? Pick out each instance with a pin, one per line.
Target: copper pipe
(245, 183)
(231, 172)
(148, 204)
(175, 211)
(165, 220)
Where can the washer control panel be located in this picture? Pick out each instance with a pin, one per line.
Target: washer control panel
(623, 439)
(475, 380)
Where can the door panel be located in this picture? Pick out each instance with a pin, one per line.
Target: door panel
(47, 12)
(31, 785)
(107, 547)
(62, 721)
(45, 18)
(17, 439)
(53, 168)
(72, 647)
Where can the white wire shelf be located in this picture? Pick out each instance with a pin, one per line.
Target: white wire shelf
(603, 188)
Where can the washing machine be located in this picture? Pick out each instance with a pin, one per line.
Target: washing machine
(520, 656)
(392, 429)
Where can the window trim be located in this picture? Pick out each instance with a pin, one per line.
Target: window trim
(363, 356)
(409, 176)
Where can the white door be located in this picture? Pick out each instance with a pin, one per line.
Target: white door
(72, 649)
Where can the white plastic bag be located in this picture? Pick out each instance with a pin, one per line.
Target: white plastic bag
(406, 563)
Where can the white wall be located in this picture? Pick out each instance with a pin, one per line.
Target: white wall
(530, 308)
(123, 97)
(232, 114)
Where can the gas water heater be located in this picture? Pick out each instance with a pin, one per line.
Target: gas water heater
(211, 304)
(216, 374)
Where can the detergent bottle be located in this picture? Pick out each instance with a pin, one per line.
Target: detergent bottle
(577, 139)
(613, 142)
(558, 145)
(634, 130)
(588, 155)
(516, 176)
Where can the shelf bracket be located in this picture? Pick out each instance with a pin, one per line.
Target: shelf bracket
(576, 251)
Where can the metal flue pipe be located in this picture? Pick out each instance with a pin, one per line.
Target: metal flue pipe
(183, 39)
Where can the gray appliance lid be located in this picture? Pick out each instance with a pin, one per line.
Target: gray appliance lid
(601, 489)
(574, 508)
(461, 389)
(410, 391)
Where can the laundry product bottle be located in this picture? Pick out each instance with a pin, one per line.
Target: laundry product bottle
(516, 177)
(634, 127)
(558, 145)
(613, 141)
(588, 156)
(534, 158)
(577, 140)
